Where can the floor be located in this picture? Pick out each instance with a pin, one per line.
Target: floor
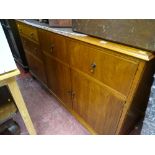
(48, 116)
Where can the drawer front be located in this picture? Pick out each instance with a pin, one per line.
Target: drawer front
(115, 71)
(31, 47)
(59, 48)
(28, 31)
(54, 44)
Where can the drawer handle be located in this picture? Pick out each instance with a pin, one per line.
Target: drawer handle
(51, 48)
(93, 66)
(73, 94)
(31, 34)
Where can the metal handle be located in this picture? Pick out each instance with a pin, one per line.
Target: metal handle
(31, 34)
(71, 93)
(93, 66)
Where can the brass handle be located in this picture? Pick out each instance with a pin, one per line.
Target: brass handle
(93, 66)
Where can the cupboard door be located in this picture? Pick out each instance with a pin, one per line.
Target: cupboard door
(100, 109)
(58, 77)
(36, 66)
(113, 70)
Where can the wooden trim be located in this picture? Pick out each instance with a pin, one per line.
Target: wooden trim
(14, 89)
(131, 94)
(55, 58)
(9, 74)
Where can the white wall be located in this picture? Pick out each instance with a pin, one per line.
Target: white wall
(7, 62)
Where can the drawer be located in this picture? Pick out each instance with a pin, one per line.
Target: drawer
(113, 70)
(31, 47)
(28, 31)
(54, 44)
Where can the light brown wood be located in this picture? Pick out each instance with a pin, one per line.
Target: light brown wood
(109, 68)
(98, 107)
(28, 31)
(138, 97)
(54, 44)
(9, 80)
(13, 87)
(9, 74)
(126, 50)
(58, 78)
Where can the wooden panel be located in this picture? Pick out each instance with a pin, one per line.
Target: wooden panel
(28, 31)
(58, 77)
(45, 40)
(36, 66)
(114, 71)
(95, 105)
(54, 44)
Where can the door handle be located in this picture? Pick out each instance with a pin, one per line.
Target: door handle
(92, 67)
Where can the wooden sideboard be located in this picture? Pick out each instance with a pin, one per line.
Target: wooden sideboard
(103, 84)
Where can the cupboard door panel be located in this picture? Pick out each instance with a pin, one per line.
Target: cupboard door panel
(58, 77)
(31, 47)
(116, 72)
(100, 109)
(45, 40)
(36, 66)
